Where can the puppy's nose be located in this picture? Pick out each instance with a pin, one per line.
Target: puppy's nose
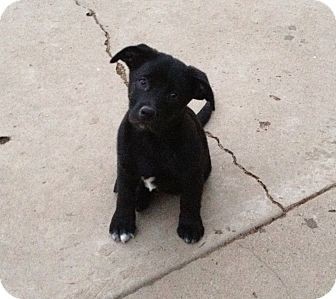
(146, 113)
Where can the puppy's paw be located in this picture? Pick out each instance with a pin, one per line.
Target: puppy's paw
(123, 237)
(122, 229)
(190, 230)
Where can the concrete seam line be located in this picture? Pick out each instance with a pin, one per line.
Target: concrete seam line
(311, 196)
(219, 246)
(247, 172)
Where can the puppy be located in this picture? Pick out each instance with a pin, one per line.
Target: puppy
(161, 142)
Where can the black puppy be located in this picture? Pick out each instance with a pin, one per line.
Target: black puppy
(161, 142)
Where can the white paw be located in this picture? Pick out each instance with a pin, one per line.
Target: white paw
(123, 237)
(115, 237)
(126, 237)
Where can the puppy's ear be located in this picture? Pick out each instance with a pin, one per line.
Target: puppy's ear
(201, 86)
(135, 56)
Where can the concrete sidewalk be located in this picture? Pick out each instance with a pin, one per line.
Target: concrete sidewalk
(293, 257)
(272, 140)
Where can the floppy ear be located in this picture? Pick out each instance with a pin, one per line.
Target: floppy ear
(201, 86)
(135, 56)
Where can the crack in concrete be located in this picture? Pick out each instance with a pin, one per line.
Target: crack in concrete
(120, 69)
(92, 13)
(247, 172)
(269, 196)
(107, 42)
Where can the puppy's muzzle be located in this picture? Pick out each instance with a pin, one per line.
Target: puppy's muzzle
(146, 113)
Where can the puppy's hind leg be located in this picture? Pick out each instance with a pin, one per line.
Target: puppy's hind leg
(143, 197)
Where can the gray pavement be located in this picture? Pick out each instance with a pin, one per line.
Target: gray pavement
(272, 140)
(293, 257)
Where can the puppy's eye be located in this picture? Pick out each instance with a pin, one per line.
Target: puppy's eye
(143, 83)
(173, 96)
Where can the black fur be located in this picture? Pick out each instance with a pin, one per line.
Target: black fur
(161, 137)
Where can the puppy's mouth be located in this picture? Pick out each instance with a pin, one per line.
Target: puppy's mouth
(141, 124)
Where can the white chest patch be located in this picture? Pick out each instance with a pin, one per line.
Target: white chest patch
(149, 183)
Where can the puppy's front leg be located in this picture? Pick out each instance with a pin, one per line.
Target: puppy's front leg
(122, 227)
(190, 227)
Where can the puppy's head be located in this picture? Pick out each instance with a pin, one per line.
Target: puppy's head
(160, 87)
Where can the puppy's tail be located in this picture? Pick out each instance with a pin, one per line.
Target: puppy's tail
(205, 113)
